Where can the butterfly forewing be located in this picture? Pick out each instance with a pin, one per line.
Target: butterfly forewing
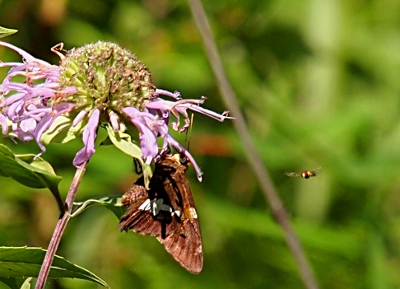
(166, 211)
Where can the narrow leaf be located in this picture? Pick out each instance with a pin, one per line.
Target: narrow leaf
(6, 31)
(123, 141)
(27, 283)
(62, 130)
(25, 261)
(113, 203)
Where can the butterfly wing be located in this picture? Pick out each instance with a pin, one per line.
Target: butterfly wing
(167, 212)
(135, 218)
(185, 245)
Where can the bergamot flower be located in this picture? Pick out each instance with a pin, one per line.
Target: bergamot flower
(96, 85)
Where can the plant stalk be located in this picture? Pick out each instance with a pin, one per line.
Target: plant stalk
(60, 227)
(252, 155)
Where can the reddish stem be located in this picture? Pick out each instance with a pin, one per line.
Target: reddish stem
(60, 227)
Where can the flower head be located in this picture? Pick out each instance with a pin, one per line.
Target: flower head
(98, 84)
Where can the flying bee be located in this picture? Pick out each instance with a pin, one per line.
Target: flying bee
(304, 174)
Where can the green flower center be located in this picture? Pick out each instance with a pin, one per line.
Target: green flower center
(106, 76)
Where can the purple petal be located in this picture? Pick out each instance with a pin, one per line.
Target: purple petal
(169, 140)
(47, 121)
(79, 117)
(176, 94)
(11, 99)
(114, 121)
(28, 125)
(24, 54)
(3, 122)
(89, 137)
(164, 108)
(22, 135)
(217, 116)
(15, 110)
(39, 113)
(148, 136)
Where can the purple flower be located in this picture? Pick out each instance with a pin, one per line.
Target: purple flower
(97, 85)
(89, 136)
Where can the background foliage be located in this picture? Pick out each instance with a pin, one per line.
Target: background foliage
(318, 83)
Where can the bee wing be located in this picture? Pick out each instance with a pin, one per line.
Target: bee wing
(317, 170)
(293, 174)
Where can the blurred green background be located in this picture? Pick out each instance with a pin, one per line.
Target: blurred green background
(318, 82)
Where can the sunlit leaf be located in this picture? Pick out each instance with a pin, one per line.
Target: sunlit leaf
(27, 284)
(113, 203)
(62, 130)
(24, 261)
(31, 172)
(6, 31)
(124, 142)
(37, 162)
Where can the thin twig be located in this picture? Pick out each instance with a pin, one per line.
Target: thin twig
(252, 155)
(60, 227)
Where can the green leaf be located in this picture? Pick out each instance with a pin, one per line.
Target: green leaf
(3, 174)
(25, 261)
(124, 142)
(10, 282)
(6, 31)
(113, 203)
(38, 162)
(27, 283)
(31, 172)
(62, 130)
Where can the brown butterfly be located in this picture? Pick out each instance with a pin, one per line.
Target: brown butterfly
(166, 211)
